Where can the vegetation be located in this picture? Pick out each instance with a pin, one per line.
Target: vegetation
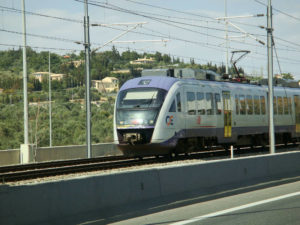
(68, 117)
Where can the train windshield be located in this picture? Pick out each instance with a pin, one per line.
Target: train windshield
(139, 106)
(141, 98)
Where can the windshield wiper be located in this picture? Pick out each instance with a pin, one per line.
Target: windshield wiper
(151, 100)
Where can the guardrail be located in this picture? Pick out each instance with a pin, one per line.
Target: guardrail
(42, 154)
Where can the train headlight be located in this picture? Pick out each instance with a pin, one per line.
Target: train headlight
(137, 121)
(151, 122)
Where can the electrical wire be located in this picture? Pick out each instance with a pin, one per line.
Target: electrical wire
(40, 14)
(40, 36)
(44, 48)
(164, 21)
(170, 23)
(186, 13)
(214, 47)
(80, 21)
(280, 11)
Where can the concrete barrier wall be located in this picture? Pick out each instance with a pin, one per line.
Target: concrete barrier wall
(9, 157)
(74, 152)
(36, 203)
(42, 154)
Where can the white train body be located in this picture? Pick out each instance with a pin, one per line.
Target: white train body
(191, 114)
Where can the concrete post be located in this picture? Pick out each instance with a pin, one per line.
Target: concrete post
(25, 153)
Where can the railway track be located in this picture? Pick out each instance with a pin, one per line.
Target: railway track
(47, 169)
(40, 170)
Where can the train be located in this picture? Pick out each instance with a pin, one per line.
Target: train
(164, 114)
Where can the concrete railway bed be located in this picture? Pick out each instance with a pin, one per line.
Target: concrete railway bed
(61, 168)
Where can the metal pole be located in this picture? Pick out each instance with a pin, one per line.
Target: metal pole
(50, 106)
(87, 80)
(226, 22)
(270, 79)
(231, 152)
(25, 78)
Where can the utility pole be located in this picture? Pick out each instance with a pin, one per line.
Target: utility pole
(25, 77)
(50, 106)
(24, 148)
(226, 36)
(270, 77)
(87, 80)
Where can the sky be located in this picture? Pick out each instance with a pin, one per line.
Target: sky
(189, 29)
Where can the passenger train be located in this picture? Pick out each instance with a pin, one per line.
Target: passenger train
(158, 115)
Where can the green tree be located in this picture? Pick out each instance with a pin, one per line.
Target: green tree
(287, 76)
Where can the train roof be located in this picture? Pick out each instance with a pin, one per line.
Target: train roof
(150, 81)
(166, 83)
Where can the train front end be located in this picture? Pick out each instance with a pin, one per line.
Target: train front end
(137, 108)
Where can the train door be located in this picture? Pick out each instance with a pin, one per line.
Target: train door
(227, 114)
(297, 112)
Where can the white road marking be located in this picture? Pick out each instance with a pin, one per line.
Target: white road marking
(219, 213)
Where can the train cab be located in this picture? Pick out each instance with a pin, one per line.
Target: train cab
(137, 110)
(136, 113)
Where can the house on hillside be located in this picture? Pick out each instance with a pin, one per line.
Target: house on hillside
(76, 63)
(124, 71)
(140, 61)
(108, 84)
(57, 76)
(44, 75)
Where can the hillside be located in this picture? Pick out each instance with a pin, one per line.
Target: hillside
(68, 117)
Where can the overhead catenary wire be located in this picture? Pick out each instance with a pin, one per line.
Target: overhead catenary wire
(164, 21)
(215, 47)
(40, 14)
(211, 19)
(205, 27)
(204, 44)
(170, 23)
(151, 52)
(80, 21)
(280, 11)
(44, 48)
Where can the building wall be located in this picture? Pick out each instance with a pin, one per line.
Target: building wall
(108, 84)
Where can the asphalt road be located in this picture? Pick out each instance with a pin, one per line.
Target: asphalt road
(276, 205)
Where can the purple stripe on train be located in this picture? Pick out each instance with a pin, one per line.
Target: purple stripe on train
(151, 81)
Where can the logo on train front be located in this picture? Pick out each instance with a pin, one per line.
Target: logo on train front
(169, 120)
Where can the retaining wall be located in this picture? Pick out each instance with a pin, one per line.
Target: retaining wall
(36, 203)
(42, 154)
(9, 157)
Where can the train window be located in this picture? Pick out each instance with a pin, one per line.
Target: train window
(191, 106)
(280, 105)
(200, 103)
(173, 107)
(242, 104)
(275, 105)
(249, 105)
(141, 98)
(256, 105)
(209, 104)
(290, 105)
(237, 106)
(263, 105)
(178, 102)
(218, 104)
(286, 107)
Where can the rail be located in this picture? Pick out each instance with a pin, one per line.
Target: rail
(41, 170)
